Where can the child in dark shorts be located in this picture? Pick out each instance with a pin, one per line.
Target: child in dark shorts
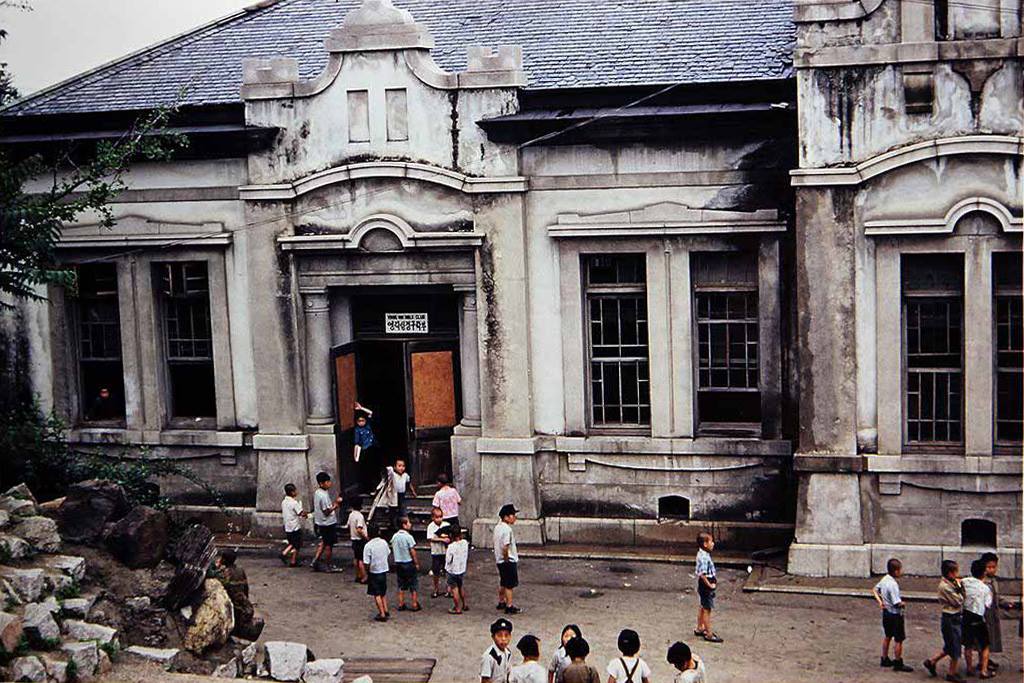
(887, 594)
(375, 555)
(407, 565)
(951, 598)
(977, 599)
(438, 534)
(357, 535)
(456, 563)
(707, 582)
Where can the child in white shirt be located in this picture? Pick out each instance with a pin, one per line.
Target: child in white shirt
(292, 513)
(690, 666)
(456, 560)
(530, 671)
(628, 667)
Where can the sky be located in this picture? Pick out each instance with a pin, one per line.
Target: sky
(57, 39)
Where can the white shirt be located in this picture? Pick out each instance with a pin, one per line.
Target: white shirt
(559, 661)
(696, 675)
(356, 521)
(977, 596)
(291, 509)
(457, 557)
(375, 555)
(322, 502)
(616, 671)
(503, 536)
(889, 591)
(495, 664)
(437, 547)
(400, 480)
(528, 672)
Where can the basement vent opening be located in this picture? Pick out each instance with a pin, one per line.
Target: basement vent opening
(673, 507)
(978, 532)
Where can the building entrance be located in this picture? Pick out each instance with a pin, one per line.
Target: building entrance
(404, 366)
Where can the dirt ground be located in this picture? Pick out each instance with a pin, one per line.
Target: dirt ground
(768, 637)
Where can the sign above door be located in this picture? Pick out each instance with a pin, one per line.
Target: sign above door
(406, 323)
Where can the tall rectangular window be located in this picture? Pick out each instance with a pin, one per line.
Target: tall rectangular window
(1009, 371)
(615, 287)
(101, 372)
(728, 350)
(188, 339)
(933, 289)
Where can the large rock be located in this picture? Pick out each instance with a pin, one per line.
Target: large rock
(56, 669)
(13, 548)
(139, 539)
(28, 669)
(285, 661)
(89, 507)
(28, 584)
(17, 507)
(167, 658)
(78, 608)
(192, 554)
(40, 627)
(83, 630)
(10, 631)
(324, 671)
(70, 565)
(51, 508)
(212, 620)
(228, 669)
(40, 532)
(21, 492)
(85, 655)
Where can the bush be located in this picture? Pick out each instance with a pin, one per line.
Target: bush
(43, 459)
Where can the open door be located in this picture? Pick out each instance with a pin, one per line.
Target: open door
(434, 407)
(347, 393)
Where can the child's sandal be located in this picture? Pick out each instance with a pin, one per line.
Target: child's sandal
(698, 632)
(454, 611)
(712, 638)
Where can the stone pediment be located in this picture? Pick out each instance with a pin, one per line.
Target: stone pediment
(666, 218)
(381, 233)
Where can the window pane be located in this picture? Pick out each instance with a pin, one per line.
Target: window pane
(1009, 312)
(933, 334)
(101, 371)
(188, 339)
(618, 353)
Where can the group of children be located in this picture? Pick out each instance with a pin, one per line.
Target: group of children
(969, 623)
(569, 661)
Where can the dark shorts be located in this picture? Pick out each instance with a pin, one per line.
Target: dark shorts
(976, 635)
(894, 626)
(952, 635)
(294, 538)
(377, 584)
(357, 549)
(437, 565)
(707, 596)
(455, 580)
(328, 534)
(408, 579)
(508, 574)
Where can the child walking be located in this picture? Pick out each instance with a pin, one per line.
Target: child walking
(448, 499)
(887, 595)
(707, 582)
(497, 659)
(438, 534)
(977, 599)
(629, 668)
(530, 671)
(407, 566)
(375, 555)
(951, 598)
(690, 666)
(357, 535)
(456, 561)
(506, 556)
(292, 514)
(561, 659)
(578, 670)
(325, 519)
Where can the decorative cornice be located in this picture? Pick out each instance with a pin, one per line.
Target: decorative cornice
(945, 224)
(810, 11)
(911, 154)
(139, 231)
(382, 169)
(666, 219)
(908, 53)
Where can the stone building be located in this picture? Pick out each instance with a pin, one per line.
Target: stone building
(571, 268)
(908, 282)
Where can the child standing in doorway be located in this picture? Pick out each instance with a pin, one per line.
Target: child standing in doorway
(364, 450)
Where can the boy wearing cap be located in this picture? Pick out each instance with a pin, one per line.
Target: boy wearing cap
(507, 558)
(530, 671)
(497, 660)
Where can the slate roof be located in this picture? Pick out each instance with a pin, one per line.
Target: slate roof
(566, 43)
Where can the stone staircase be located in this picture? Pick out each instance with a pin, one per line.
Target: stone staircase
(45, 632)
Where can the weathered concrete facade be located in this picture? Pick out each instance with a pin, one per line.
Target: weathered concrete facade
(910, 122)
(624, 313)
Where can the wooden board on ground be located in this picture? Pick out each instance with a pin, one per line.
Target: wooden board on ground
(389, 669)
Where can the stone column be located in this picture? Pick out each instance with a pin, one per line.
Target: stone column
(317, 309)
(469, 355)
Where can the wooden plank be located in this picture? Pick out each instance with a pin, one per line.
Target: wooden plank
(433, 389)
(345, 379)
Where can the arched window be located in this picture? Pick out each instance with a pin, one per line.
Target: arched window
(978, 532)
